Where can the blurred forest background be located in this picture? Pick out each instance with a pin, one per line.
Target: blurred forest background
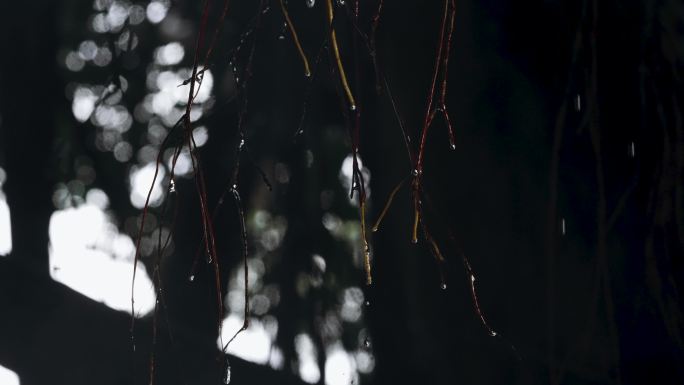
(564, 191)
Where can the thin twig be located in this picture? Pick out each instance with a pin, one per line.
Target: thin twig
(338, 61)
(293, 32)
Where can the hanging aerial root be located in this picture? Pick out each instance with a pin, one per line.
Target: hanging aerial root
(366, 248)
(473, 293)
(336, 53)
(416, 220)
(445, 71)
(295, 38)
(435, 249)
(245, 250)
(387, 205)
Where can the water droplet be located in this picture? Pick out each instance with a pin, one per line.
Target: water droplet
(235, 186)
(340, 2)
(352, 107)
(414, 172)
(266, 10)
(631, 149)
(492, 333)
(367, 303)
(578, 103)
(366, 343)
(414, 240)
(281, 37)
(172, 186)
(563, 226)
(453, 146)
(472, 278)
(191, 278)
(226, 374)
(444, 286)
(307, 74)
(310, 3)
(242, 143)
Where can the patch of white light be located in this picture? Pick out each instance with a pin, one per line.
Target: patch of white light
(255, 270)
(274, 233)
(74, 62)
(201, 135)
(172, 92)
(103, 57)
(277, 359)
(169, 54)
(351, 304)
(113, 117)
(253, 344)
(88, 254)
(156, 11)
(140, 180)
(339, 366)
(123, 151)
(5, 226)
(8, 377)
(97, 198)
(365, 361)
(87, 50)
(205, 89)
(346, 173)
(83, 103)
(308, 367)
(136, 14)
(183, 163)
(101, 5)
(100, 23)
(117, 14)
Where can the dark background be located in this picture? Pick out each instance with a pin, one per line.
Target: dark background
(600, 304)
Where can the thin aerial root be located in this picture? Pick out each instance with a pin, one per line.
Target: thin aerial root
(435, 249)
(416, 220)
(154, 338)
(371, 42)
(429, 111)
(447, 48)
(387, 205)
(445, 72)
(243, 232)
(245, 249)
(431, 117)
(476, 303)
(244, 327)
(404, 133)
(452, 139)
(336, 52)
(305, 61)
(136, 258)
(366, 248)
